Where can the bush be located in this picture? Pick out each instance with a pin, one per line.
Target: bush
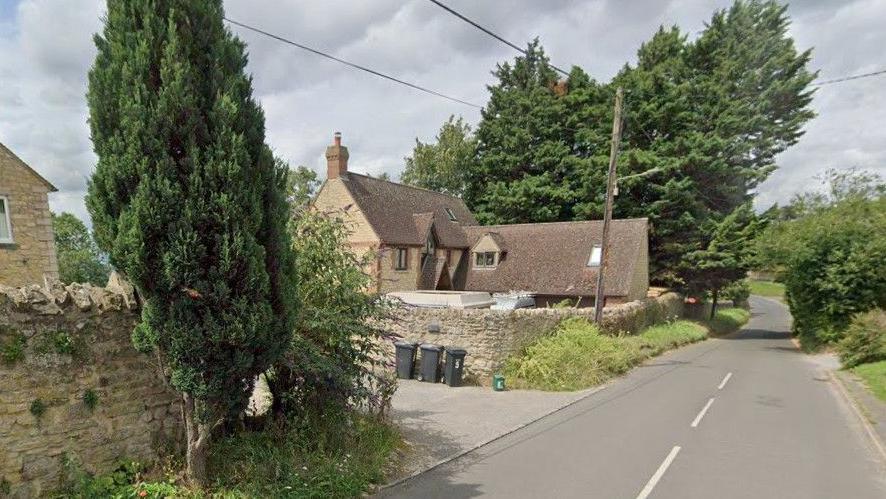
(738, 292)
(575, 356)
(729, 320)
(864, 340)
(578, 356)
(832, 263)
(662, 337)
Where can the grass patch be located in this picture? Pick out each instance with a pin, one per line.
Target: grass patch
(578, 356)
(12, 346)
(728, 320)
(771, 289)
(874, 376)
(330, 456)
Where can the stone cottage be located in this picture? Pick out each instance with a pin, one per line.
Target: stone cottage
(426, 240)
(27, 246)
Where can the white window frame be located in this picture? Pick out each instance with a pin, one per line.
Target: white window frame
(596, 251)
(6, 212)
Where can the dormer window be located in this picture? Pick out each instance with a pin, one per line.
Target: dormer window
(451, 215)
(596, 254)
(485, 259)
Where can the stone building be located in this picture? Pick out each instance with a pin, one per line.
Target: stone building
(426, 240)
(27, 246)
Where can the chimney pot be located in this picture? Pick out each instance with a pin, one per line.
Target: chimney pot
(337, 138)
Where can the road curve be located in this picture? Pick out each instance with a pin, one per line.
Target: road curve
(742, 416)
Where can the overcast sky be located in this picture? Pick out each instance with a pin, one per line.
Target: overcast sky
(46, 49)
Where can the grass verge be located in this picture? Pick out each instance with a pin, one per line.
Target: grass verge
(874, 376)
(727, 320)
(771, 289)
(578, 356)
(333, 456)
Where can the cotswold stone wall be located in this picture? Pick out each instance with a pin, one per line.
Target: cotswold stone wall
(72, 386)
(490, 336)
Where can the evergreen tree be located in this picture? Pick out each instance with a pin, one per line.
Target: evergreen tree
(79, 259)
(525, 168)
(727, 255)
(189, 203)
(442, 166)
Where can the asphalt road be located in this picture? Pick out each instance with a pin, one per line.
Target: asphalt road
(746, 416)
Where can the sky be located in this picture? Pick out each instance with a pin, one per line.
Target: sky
(46, 50)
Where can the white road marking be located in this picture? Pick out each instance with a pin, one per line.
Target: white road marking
(702, 413)
(725, 380)
(658, 473)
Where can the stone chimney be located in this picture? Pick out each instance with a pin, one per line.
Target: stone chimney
(336, 158)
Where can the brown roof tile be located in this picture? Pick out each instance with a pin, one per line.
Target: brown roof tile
(551, 258)
(399, 213)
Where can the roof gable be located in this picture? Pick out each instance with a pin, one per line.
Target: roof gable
(5, 151)
(402, 214)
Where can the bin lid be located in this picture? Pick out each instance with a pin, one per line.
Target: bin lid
(404, 344)
(456, 351)
(430, 346)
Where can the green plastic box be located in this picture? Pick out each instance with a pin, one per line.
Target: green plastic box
(498, 382)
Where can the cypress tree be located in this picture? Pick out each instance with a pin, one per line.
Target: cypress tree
(189, 204)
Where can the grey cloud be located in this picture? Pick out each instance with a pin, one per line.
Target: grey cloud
(46, 50)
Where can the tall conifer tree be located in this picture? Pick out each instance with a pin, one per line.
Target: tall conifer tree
(189, 204)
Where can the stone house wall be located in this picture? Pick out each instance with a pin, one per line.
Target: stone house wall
(61, 349)
(491, 336)
(31, 255)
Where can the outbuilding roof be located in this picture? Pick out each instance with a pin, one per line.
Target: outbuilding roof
(552, 258)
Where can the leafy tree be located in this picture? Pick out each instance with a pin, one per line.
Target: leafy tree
(190, 205)
(442, 166)
(330, 364)
(79, 259)
(831, 258)
(301, 185)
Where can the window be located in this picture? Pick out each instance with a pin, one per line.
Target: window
(450, 214)
(5, 224)
(594, 260)
(484, 259)
(401, 258)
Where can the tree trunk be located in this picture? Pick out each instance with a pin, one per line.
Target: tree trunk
(713, 303)
(199, 433)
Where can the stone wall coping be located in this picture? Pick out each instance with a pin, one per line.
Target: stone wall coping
(53, 296)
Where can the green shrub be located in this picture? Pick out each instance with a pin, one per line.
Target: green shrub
(738, 292)
(874, 376)
(12, 347)
(662, 337)
(575, 356)
(90, 399)
(728, 320)
(5, 486)
(864, 340)
(38, 408)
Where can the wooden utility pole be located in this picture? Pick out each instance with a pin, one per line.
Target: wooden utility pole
(599, 299)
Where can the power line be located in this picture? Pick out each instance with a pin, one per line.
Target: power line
(847, 78)
(489, 32)
(351, 64)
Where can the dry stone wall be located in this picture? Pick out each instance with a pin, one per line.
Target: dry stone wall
(491, 336)
(73, 387)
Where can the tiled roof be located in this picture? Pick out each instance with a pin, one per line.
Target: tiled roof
(551, 258)
(400, 214)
